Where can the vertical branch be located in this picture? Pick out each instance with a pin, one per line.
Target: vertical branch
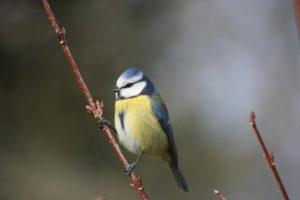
(269, 157)
(297, 13)
(96, 108)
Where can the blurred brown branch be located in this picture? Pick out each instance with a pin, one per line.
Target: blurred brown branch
(96, 108)
(297, 13)
(219, 195)
(269, 157)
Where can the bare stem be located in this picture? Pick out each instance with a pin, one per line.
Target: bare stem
(96, 108)
(297, 13)
(219, 195)
(269, 157)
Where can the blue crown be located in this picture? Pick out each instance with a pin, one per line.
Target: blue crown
(130, 73)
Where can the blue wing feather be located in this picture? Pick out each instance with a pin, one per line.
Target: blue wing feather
(162, 115)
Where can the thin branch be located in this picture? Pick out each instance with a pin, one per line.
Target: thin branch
(96, 108)
(297, 13)
(269, 157)
(219, 195)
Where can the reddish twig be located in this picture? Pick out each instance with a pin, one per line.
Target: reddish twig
(96, 108)
(219, 195)
(297, 13)
(269, 157)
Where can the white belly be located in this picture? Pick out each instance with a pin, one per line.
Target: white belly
(126, 138)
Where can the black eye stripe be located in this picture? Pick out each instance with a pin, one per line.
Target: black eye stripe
(128, 85)
(131, 84)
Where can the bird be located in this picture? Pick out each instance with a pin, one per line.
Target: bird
(142, 122)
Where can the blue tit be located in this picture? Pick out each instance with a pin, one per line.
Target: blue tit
(142, 122)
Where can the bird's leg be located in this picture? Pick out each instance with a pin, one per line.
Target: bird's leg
(132, 166)
(106, 122)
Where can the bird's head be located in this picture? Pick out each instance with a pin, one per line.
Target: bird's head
(132, 83)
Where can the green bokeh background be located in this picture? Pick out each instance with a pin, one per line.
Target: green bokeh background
(212, 61)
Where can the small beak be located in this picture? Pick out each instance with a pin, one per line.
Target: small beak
(116, 90)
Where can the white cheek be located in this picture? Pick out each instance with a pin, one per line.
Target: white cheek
(134, 90)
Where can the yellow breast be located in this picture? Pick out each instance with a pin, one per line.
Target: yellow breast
(142, 131)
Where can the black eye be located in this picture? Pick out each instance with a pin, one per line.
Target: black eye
(128, 85)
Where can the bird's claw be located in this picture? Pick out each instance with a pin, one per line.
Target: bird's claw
(105, 122)
(130, 169)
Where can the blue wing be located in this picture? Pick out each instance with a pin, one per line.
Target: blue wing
(161, 112)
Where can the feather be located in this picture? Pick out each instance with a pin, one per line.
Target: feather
(162, 115)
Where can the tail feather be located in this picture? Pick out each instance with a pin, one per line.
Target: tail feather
(179, 178)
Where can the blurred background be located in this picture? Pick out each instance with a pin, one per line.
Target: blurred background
(212, 61)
